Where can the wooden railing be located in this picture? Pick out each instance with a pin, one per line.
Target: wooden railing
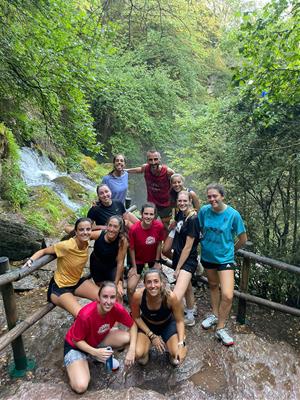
(14, 335)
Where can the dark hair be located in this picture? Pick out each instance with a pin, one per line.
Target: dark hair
(122, 233)
(83, 219)
(165, 294)
(105, 284)
(149, 205)
(114, 159)
(100, 186)
(216, 186)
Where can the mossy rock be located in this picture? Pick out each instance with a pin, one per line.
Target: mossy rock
(46, 211)
(93, 170)
(74, 190)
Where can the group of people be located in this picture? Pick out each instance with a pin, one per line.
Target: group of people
(157, 316)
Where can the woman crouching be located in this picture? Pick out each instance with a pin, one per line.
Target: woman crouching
(159, 317)
(91, 334)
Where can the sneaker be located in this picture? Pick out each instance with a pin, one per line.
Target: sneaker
(143, 360)
(195, 310)
(209, 321)
(223, 335)
(189, 321)
(173, 361)
(115, 364)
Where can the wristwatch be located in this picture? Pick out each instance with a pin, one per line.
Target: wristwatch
(182, 343)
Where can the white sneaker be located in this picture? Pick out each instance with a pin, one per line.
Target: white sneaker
(209, 321)
(189, 321)
(195, 310)
(223, 335)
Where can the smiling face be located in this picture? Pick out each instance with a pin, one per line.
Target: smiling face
(83, 231)
(177, 184)
(148, 215)
(153, 284)
(104, 195)
(183, 202)
(113, 229)
(153, 159)
(215, 199)
(119, 162)
(107, 299)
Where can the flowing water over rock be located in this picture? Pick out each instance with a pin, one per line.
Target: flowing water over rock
(38, 170)
(257, 367)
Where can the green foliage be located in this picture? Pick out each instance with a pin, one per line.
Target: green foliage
(46, 211)
(13, 188)
(94, 170)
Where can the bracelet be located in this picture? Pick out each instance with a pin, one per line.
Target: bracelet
(182, 343)
(157, 261)
(30, 259)
(149, 333)
(152, 337)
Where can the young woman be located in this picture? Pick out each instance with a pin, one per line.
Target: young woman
(177, 185)
(106, 207)
(185, 252)
(220, 225)
(117, 179)
(107, 259)
(145, 241)
(72, 256)
(159, 317)
(91, 333)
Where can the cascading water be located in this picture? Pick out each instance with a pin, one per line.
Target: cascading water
(38, 170)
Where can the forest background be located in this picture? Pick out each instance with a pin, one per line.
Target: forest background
(212, 84)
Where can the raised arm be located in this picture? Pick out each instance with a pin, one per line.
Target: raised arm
(136, 170)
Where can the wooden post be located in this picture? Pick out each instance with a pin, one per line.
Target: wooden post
(244, 281)
(20, 360)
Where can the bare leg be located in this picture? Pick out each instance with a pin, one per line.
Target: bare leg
(67, 301)
(227, 286)
(116, 338)
(213, 281)
(183, 280)
(87, 290)
(142, 348)
(132, 282)
(189, 297)
(79, 375)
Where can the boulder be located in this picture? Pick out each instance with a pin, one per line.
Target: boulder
(19, 241)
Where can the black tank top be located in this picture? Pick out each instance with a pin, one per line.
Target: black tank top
(105, 251)
(162, 314)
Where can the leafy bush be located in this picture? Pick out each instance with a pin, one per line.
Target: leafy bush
(13, 188)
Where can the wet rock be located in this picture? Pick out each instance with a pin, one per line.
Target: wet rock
(74, 190)
(18, 241)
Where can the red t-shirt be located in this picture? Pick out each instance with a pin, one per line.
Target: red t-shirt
(92, 327)
(145, 241)
(158, 186)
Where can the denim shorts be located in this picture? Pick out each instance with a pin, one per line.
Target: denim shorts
(71, 354)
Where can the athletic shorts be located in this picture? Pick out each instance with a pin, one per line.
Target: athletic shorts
(219, 267)
(165, 330)
(53, 288)
(164, 212)
(190, 264)
(140, 267)
(99, 272)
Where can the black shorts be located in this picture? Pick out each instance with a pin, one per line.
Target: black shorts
(53, 288)
(164, 212)
(165, 330)
(190, 264)
(140, 267)
(99, 272)
(219, 267)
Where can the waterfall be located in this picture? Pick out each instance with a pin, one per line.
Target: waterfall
(39, 170)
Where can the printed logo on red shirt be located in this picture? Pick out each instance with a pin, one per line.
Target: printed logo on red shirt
(103, 328)
(150, 240)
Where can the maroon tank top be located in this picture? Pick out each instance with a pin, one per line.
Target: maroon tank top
(158, 186)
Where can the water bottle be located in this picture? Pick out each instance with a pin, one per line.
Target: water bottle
(109, 361)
